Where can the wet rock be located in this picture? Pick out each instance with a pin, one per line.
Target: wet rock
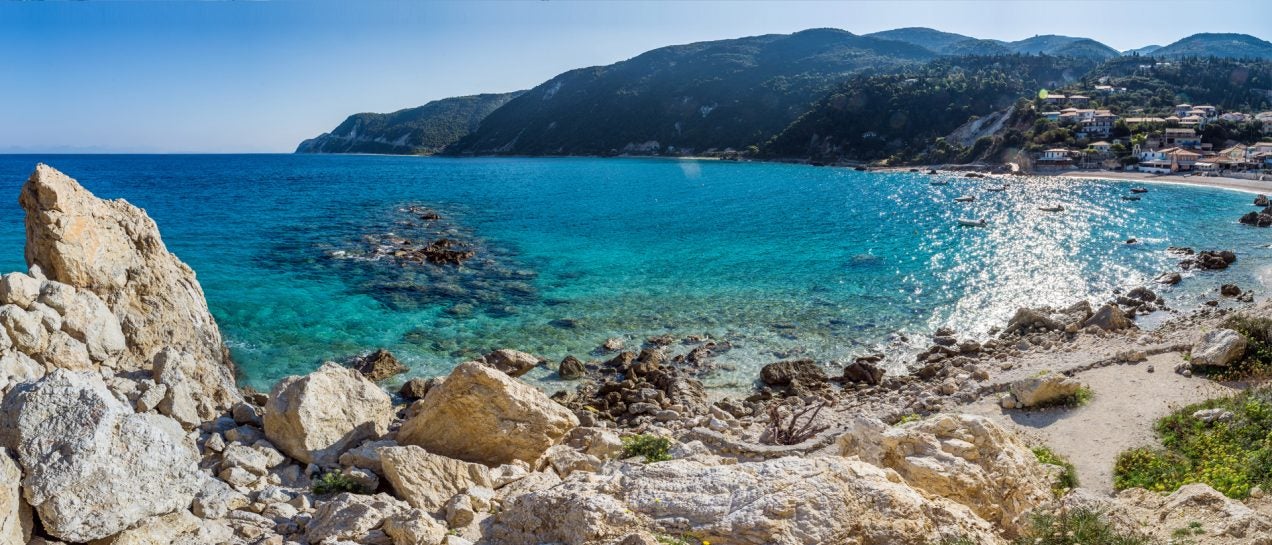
(418, 387)
(378, 366)
(571, 369)
(1229, 290)
(1168, 278)
(481, 415)
(782, 373)
(1210, 260)
(1109, 318)
(1027, 319)
(1218, 348)
(612, 344)
(514, 363)
(315, 417)
(863, 372)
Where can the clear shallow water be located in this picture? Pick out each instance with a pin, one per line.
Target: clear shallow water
(779, 259)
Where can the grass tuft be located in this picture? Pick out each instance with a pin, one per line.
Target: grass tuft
(652, 447)
(1067, 479)
(1078, 527)
(334, 482)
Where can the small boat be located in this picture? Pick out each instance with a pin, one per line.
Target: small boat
(1056, 208)
(1126, 198)
(939, 182)
(931, 171)
(1139, 190)
(964, 198)
(971, 223)
(999, 188)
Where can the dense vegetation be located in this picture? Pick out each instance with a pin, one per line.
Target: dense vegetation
(686, 98)
(1231, 455)
(1154, 87)
(948, 43)
(1237, 46)
(901, 116)
(422, 130)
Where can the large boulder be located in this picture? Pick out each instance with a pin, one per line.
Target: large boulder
(1218, 348)
(195, 393)
(351, 516)
(965, 458)
(315, 417)
(1027, 319)
(377, 366)
(482, 415)
(782, 373)
(15, 514)
(91, 466)
(179, 528)
(1045, 390)
(113, 249)
(786, 501)
(513, 362)
(426, 480)
(1109, 318)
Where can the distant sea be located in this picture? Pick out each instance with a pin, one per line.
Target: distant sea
(780, 260)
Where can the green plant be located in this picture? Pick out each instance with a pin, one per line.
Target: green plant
(1257, 361)
(912, 417)
(1067, 479)
(652, 447)
(334, 482)
(1077, 527)
(958, 541)
(1231, 455)
(1081, 397)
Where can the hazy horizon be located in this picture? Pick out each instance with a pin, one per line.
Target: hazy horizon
(227, 77)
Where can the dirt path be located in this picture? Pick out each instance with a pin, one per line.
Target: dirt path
(1128, 401)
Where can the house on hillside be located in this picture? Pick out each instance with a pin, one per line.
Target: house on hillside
(1181, 110)
(1205, 111)
(1079, 100)
(1183, 138)
(1136, 121)
(1055, 158)
(1051, 116)
(1101, 146)
(1054, 99)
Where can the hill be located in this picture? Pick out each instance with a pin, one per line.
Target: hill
(932, 39)
(425, 129)
(1237, 46)
(1052, 44)
(1146, 50)
(899, 116)
(1154, 88)
(948, 43)
(685, 98)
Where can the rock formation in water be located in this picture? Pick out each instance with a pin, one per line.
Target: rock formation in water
(121, 426)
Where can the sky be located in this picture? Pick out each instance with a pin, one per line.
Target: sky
(259, 77)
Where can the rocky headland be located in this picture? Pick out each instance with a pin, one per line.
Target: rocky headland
(122, 425)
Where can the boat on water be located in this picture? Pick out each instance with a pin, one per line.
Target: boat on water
(1056, 208)
(1127, 198)
(1139, 190)
(965, 222)
(939, 182)
(964, 198)
(999, 188)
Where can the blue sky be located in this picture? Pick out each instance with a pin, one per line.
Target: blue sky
(260, 76)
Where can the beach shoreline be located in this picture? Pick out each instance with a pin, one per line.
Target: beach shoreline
(1220, 182)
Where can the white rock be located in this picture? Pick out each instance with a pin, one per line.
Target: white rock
(15, 514)
(19, 289)
(1052, 388)
(426, 480)
(316, 417)
(25, 329)
(1219, 348)
(196, 393)
(414, 527)
(351, 516)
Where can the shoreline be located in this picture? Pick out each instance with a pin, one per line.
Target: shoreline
(1217, 182)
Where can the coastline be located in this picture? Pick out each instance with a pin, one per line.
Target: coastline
(1219, 182)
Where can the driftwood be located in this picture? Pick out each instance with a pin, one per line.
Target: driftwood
(793, 432)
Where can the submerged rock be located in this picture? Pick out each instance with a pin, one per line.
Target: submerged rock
(481, 415)
(512, 362)
(377, 366)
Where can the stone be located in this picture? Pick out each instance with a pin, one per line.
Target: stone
(459, 511)
(1045, 390)
(965, 458)
(1218, 348)
(91, 466)
(1109, 318)
(785, 501)
(612, 344)
(426, 480)
(19, 289)
(351, 516)
(377, 366)
(15, 514)
(315, 417)
(782, 373)
(64, 352)
(114, 250)
(179, 528)
(1229, 290)
(417, 388)
(367, 455)
(482, 415)
(1210, 416)
(24, 328)
(245, 457)
(195, 393)
(571, 369)
(216, 499)
(414, 527)
(863, 372)
(1026, 319)
(1169, 278)
(565, 460)
(91, 322)
(513, 362)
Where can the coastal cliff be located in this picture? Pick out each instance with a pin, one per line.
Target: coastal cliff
(423, 130)
(122, 426)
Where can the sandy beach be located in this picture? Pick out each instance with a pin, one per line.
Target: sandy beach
(1235, 184)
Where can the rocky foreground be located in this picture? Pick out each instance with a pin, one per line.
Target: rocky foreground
(122, 425)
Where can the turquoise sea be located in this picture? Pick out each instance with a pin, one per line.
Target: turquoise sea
(778, 259)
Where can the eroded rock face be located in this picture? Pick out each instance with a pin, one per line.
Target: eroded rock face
(91, 466)
(482, 415)
(1219, 348)
(113, 249)
(791, 500)
(15, 514)
(195, 393)
(427, 480)
(965, 458)
(315, 417)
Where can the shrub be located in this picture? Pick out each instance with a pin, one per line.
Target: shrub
(1231, 456)
(334, 482)
(1077, 527)
(1067, 479)
(1257, 361)
(652, 447)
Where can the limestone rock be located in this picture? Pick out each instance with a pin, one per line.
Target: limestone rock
(367, 455)
(19, 289)
(1109, 318)
(351, 516)
(571, 369)
(482, 415)
(783, 372)
(965, 458)
(15, 514)
(513, 362)
(377, 366)
(113, 249)
(427, 480)
(179, 528)
(1044, 390)
(313, 418)
(414, 527)
(1219, 348)
(195, 393)
(815, 500)
(92, 467)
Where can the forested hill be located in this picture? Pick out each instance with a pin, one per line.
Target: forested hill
(425, 129)
(686, 98)
(902, 114)
(1235, 46)
(1154, 86)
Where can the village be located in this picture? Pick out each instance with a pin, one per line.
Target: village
(1169, 144)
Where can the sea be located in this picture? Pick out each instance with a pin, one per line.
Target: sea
(773, 261)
